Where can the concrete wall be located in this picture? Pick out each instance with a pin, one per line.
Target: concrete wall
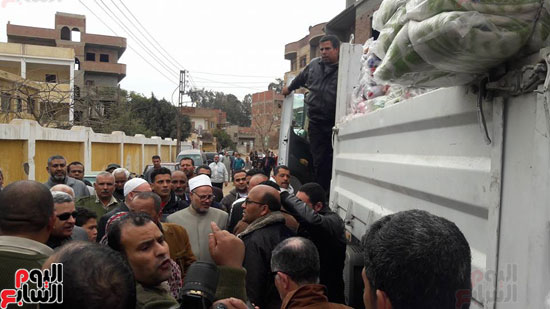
(102, 80)
(24, 142)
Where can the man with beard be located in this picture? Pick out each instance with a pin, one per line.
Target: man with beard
(161, 184)
(132, 188)
(122, 175)
(187, 165)
(57, 168)
(196, 218)
(179, 186)
(103, 201)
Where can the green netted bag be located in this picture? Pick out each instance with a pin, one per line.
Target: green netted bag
(420, 10)
(451, 49)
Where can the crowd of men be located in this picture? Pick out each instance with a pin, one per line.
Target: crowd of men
(273, 245)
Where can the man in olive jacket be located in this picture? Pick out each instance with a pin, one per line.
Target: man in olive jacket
(26, 221)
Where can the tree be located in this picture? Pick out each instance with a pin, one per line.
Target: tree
(238, 112)
(277, 85)
(48, 104)
(224, 140)
(159, 115)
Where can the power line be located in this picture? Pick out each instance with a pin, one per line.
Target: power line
(114, 32)
(233, 75)
(130, 33)
(152, 37)
(139, 32)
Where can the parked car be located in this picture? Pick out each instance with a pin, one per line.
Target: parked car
(210, 156)
(197, 155)
(90, 176)
(169, 165)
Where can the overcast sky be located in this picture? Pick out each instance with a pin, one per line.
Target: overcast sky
(212, 39)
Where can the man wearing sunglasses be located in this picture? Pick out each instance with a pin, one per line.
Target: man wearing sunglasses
(196, 219)
(65, 219)
(262, 211)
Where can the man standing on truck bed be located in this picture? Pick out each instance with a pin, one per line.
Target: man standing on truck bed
(320, 77)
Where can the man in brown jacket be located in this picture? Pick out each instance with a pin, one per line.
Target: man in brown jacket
(295, 261)
(175, 235)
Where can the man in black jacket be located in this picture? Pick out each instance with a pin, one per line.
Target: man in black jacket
(320, 77)
(325, 229)
(266, 229)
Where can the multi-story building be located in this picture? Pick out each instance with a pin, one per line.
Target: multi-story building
(266, 118)
(301, 52)
(97, 71)
(355, 20)
(36, 82)
(243, 137)
(203, 123)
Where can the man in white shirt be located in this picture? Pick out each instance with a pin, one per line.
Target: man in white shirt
(219, 173)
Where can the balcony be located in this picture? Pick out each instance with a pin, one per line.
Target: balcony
(96, 93)
(98, 40)
(105, 68)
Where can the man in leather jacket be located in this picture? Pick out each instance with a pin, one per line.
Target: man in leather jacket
(320, 77)
(325, 229)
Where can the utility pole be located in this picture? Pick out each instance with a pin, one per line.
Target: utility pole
(183, 85)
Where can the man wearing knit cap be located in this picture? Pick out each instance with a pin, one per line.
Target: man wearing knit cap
(131, 188)
(196, 219)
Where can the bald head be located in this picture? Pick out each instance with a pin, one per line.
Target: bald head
(255, 180)
(25, 207)
(268, 195)
(63, 188)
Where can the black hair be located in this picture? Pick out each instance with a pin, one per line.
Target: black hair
(56, 157)
(83, 215)
(315, 192)
(298, 258)
(254, 171)
(202, 167)
(188, 158)
(238, 171)
(155, 157)
(160, 171)
(419, 260)
(333, 40)
(94, 276)
(270, 183)
(115, 231)
(74, 163)
(25, 206)
(278, 167)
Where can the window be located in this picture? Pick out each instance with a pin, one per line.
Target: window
(90, 57)
(30, 105)
(5, 101)
(76, 64)
(76, 92)
(104, 58)
(303, 61)
(66, 33)
(51, 78)
(19, 106)
(75, 35)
